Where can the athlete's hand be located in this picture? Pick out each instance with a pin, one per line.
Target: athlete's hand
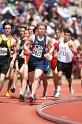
(29, 52)
(11, 64)
(70, 44)
(48, 56)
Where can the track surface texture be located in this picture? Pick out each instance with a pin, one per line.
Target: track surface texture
(69, 108)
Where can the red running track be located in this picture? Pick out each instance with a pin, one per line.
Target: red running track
(71, 111)
(15, 112)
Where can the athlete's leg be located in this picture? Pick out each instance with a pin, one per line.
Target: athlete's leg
(68, 73)
(21, 78)
(37, 74)
(25, 77)
(45, 85)
(70, 85)
(2, 78)
(10, 82)
(15, 77)
(59, 83)
(4, 69)
(55, 79)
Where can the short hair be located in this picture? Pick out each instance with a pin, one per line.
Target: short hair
(23, 26)
(7, 23)
(66, 30)
(34, 28)
(16, 32)
(58, 28)
(43, 24)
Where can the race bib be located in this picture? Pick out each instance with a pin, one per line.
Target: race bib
(3, 51)
(37, 51)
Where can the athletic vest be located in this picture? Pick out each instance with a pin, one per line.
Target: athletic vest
(39, 47)
(5, 47)
(21, 53)
(65, 55)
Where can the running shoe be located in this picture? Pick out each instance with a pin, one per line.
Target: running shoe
(7, 94)
(21, 97)
(57, 94)
(27, 95)
(13, 90)
(44, 95)
(71, 90)
(32, 98)
(27, 92)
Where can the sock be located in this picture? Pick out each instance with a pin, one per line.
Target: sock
(58, 88)
(21, 91)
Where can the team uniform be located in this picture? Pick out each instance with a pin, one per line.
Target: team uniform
(37, 60)
(65, 57)
(21, 56)
(5, 60)
(54, 59)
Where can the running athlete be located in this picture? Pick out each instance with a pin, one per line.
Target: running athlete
(22, 67)
(57, 38)
(26, 35)
(32, 30)
(12, 73)
(6, 43)
(66, 51)
(38, 56)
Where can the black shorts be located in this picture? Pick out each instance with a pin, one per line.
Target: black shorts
(66, 68)
(4, 66)
(34, 63)
(20, 62)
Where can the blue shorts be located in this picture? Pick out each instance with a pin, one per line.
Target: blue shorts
(46, 67)
(35, 63)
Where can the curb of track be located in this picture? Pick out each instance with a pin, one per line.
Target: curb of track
(55, 119)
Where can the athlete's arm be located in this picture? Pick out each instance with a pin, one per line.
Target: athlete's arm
(72, 46)
(13, 44)
(49, 43)
(27, 44)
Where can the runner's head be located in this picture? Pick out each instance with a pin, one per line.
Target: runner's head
(16, 34)
(31, 30)
(41, 28)
(7, 26)
(67, 35)
(58, 31)
(26, 34)
(22, 30)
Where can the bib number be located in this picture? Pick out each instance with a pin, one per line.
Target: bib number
(3, 51)
(37, 51)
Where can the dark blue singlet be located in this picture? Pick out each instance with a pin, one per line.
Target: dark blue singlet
(37, 59)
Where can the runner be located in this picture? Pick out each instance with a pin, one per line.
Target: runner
(38, 56)
(57, 38)
(6, 43)
(12, 73)
(22, 66)
(66, 51)
(32, 30)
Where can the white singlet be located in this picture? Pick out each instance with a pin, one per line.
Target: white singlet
(65, 55)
